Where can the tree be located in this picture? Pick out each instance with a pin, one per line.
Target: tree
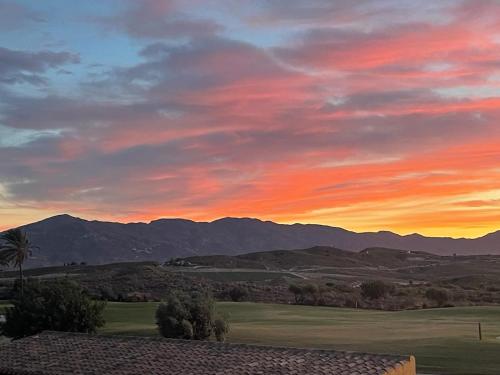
(298, 293)
(59, 305)
(375, 289)
(190, 317)
(16, 248)
(439, 296)
(173, 319)
(313, 291)
(221, 328)
(308, 293)
(238, 293)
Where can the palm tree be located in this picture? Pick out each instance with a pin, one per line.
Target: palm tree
(14, 250)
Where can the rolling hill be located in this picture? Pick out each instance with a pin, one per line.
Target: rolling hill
(65, 238)
(321, 257)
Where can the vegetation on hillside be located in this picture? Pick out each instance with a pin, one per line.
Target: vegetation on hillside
(136, 282)
(375, 289)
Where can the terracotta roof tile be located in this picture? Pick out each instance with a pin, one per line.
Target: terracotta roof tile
(57, 353)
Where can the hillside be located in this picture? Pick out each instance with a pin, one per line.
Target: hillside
(372, 263)
(266, 277)
(65, 239)
(320, 257)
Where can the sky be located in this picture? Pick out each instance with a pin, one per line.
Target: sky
(368, 115)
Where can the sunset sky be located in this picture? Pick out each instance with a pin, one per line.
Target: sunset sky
(368, 115)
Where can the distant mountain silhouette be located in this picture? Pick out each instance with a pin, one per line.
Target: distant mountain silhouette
(65, 239)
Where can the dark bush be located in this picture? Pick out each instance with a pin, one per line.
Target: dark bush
(107, 293)
(221, 328)
(312, 291)
(238, 293)
(439, 296)
(375, 289)
(190, 317)
(297, 292)
(60, 305)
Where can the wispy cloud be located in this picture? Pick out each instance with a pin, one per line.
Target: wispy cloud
(370, 115)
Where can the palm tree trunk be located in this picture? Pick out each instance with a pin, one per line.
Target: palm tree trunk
(21, 279)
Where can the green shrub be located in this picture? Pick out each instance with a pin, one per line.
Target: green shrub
(297, 292)
(189, 317)
(221, 328)
(375, 289)
(439, 296)
(238, 293)
(312, 290)
(60, 305)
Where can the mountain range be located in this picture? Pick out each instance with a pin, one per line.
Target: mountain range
(64, 238)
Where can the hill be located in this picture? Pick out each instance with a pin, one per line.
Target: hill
(65, 239)
(319, 257)
(266, 277)
(372, 263)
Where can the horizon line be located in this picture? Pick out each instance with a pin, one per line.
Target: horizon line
(118, 221)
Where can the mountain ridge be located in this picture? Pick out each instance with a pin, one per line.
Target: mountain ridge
(65, 238)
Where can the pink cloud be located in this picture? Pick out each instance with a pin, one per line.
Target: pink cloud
(341, 122)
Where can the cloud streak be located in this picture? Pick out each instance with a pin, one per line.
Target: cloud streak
(356, 118)
(28, 67)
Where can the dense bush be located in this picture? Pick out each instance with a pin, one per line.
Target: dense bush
(107, 293)
(238, 293)
(298, 293)
(190, 317)
(312, 291)
(59, 305)
(221, 328)
(308, 294)
(375, 289)
(439, 296)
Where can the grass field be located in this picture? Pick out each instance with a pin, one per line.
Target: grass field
(239, 275)
(3, 305)
(445, 341)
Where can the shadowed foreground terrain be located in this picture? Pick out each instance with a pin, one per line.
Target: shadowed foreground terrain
(444, 340)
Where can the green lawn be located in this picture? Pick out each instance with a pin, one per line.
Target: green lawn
(3, 305)
(231, 276)
(443, 340)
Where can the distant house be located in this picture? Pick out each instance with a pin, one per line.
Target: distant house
(52, 353)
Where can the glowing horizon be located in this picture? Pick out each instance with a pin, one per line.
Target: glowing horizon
(369, 115)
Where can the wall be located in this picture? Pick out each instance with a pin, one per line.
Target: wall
(406, 368)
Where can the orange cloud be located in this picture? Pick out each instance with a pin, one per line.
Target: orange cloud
(373, 123)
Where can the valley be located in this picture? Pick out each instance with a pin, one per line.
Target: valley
(327, 275)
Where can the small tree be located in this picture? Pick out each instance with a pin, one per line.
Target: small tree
(221, 328)
(313, 291)
(298, 293)
(189, 317)
(59, 305)
(439, 296)
(202, 310)
(375, 289)
(173, 318)
(238, 293)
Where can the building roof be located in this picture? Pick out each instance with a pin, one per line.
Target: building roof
(57, 353)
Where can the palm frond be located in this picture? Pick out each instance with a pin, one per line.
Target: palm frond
(15, 248)
(7, 256)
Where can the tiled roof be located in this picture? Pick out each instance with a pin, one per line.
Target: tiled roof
(53, 353)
